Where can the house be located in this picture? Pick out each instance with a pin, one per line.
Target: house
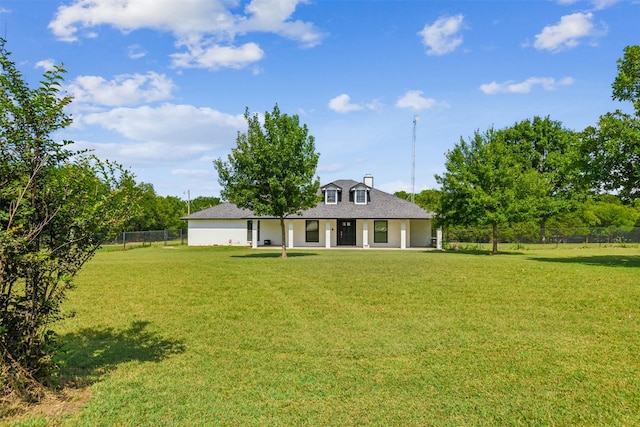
(350, 214)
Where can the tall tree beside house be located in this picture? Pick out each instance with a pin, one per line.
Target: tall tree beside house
(56, 208)
(611, 149)
(272, 169)
(484, 185)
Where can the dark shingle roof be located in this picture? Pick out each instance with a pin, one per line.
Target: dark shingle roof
(381, 205)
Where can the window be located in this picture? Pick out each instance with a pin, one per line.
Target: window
(313, 231)
(380, 231)
(361, 196)
(331, 196)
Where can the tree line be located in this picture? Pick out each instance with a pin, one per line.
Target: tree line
(155, 212)
(537, 171)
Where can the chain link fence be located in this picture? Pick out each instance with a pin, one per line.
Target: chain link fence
(150, 237)
(556, 236)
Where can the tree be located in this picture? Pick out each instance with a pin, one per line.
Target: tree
(428, 199)
(271, 171)
(609, 213)
(626, 86)
(611, 151)
(484, 184)
(157, 212)
(204, 202)
(57, 206)
(546, 148)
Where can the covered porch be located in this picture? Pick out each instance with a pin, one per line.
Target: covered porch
(344, 233)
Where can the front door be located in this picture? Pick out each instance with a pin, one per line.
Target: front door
(347, 232)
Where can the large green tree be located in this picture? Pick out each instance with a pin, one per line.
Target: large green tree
(611, 149)
(56, 207)
(272, 169)
(545, 147)
(485, 185)
(626, 86)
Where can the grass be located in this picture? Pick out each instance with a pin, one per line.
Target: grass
(229, 336)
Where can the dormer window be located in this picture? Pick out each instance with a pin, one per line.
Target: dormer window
(331, 196)
(361, 196)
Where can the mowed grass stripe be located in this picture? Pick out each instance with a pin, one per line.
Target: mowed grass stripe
(228, 336)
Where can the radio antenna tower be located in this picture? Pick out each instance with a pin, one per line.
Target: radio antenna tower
(416, 119)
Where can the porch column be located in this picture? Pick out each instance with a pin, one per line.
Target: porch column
(327, 234)
(403, 235)
(439, 238)
(254, 234)
(290, 243)
(365, 234)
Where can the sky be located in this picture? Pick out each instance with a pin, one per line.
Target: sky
(161, 86)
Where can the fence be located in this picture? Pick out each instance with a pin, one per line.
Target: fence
(150, 237)
(557, 236)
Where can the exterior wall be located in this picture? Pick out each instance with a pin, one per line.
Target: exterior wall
(393, 234)
(219, 232)
(212, 232)
(300, 234)
(270, 230)
(420, 233)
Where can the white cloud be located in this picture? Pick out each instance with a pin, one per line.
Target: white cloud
(342, 104)
(526, 86)
(273, 16)
(125, 89)
(170, 123)
(136, 51)
(603, 4)
(46, 64)
(413, 99)
(179, 18)
(443, 35)
(163, 134)
(216, 56)
(206, 27)
(597, 4)
(567, 33)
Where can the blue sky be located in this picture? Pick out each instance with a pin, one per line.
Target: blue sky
(161, 85)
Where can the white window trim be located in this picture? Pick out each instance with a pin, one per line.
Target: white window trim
(326, 196)
(355, 196)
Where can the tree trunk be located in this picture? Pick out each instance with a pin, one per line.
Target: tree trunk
(494, 249)
(284, 240)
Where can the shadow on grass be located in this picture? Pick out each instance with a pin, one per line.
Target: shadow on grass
(88, 354)
(275, 255)
(597, 260)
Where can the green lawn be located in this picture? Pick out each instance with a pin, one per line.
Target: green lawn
(228, 336)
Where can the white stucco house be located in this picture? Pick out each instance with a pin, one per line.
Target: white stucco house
(351, 214)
